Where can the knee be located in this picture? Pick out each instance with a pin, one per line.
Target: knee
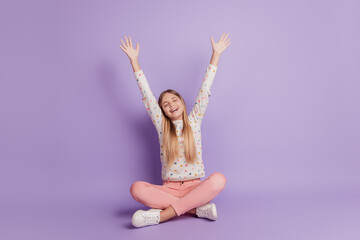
(219, 180)
(136, 188)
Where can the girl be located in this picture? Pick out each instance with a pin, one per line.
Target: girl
(179, 136)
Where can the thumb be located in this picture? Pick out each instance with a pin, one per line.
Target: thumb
(137, 46)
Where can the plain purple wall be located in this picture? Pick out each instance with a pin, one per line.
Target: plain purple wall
(283, 115)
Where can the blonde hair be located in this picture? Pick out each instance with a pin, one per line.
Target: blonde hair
(170, 139)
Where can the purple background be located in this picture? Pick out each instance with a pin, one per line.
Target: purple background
(282, 124)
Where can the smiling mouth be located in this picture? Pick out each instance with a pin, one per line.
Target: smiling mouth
(174, 110)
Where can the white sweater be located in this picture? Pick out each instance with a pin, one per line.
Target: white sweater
(180, 170)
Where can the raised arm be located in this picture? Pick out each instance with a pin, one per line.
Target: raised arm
(148, 98)
(202, 99)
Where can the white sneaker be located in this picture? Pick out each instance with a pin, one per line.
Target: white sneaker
(143, 218)
(154, 210)
(207, 211)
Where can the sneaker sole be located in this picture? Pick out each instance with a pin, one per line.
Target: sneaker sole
(213, 207)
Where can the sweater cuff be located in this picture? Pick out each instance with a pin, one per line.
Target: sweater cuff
(213, 66)
(137, 73)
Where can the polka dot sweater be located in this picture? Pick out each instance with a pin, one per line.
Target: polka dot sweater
(180, 170)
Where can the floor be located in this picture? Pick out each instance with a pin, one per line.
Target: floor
(332, 215)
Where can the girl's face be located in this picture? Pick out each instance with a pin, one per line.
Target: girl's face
(171, 102)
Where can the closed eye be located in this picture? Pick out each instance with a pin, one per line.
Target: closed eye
(175, 99)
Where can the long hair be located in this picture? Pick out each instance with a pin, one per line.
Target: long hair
(170, 139)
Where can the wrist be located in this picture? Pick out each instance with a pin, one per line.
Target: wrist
(216, 53)
(133, 60)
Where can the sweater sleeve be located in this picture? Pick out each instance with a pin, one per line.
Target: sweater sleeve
(202, 99)
(149, 100)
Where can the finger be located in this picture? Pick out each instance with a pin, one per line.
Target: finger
(226, 36)
(127, 41)
(122, 48)
(123, 43)
(222, 37)
(229, 44)
(137, 46)
(130, 41)
(212, 40)
(227, 41)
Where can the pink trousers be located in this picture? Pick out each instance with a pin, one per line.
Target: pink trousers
(181, 195)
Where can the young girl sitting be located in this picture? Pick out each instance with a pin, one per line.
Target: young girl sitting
(179, 136)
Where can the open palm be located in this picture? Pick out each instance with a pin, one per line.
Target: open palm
(132, 53)
(221, 45)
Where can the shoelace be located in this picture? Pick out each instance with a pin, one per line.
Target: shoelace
(202, 211)
(150, 217)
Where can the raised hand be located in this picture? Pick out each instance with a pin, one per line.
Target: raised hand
(221, 45)
(132, 53)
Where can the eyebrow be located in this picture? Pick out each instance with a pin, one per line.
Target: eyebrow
(166, 101)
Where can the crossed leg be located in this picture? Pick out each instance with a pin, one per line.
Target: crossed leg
(169, 213)
(156, 196)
